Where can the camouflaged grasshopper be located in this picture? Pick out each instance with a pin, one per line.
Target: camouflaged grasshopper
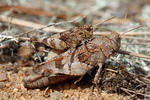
(86, 57)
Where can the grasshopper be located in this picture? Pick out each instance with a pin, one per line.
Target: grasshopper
(86, 57)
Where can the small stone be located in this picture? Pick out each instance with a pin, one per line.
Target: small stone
(41, 48)
(2, 85)
(15, 90)
(26, 51)
(74, 98)
(23, 88)
(37, 90)
(3, 77)
(66, 95)
(16, 70)
(22, 98)
(8, 84)
(29, 96)
(8, 68)
(56, 95)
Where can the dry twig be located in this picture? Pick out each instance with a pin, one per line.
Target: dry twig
(122, 21)
(28, 24)
(31, 11)
(141, 94)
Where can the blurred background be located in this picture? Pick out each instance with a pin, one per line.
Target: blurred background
(48, 11)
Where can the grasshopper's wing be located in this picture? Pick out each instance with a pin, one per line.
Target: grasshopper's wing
(53, 74)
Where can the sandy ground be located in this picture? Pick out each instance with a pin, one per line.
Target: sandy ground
(12, 88)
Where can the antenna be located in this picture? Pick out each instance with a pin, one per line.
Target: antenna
(54, 24)
(131, 30)
(104, 21)
(125, 15)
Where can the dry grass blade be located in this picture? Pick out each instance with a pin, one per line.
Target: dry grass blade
(127, 34)
(136, 44)
(54, 24)
(131, 30)
(24, 9)
(136, 38)
(31, 11)
(123, 20)
(28, 24)
(127, 90)
(104, 21)
(133, 54)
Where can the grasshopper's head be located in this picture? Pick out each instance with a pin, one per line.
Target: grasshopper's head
(86, 31)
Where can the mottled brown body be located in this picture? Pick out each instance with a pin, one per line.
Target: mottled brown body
(70, 38)
(96, 51)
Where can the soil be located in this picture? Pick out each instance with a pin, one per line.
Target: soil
(12, 87)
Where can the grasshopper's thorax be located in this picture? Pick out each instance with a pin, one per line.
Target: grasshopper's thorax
(75, 36)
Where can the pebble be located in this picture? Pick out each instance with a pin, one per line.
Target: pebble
(23, 88)
(2, 85)
(3, 77)
(22, 98)
(8, 84)
(38, 90)
(56, 95)
(15, 90)
(25, 51)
